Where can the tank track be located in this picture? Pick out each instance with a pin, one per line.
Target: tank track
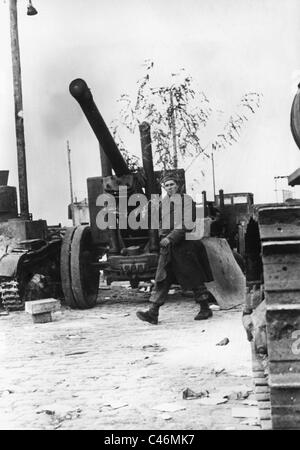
(10, 297)
(277, 378)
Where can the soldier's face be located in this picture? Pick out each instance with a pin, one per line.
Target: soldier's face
(171, 187)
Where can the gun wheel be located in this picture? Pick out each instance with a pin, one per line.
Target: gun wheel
(65, 267)
(80, 276)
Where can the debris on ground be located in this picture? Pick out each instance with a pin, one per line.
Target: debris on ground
(113, 405)
(74, 336)
(154, 348)
(104, 316)
(4, 313)
(241, 394)
(63, 412)
(238, 393)
(189, 394)
(169, 407)
(217, 372)
(166, 416)
(224, 341)
(251, 412)
(75, 353)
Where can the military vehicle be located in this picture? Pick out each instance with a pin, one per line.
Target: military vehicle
(125, 253)
(29, 254)
(272, 312)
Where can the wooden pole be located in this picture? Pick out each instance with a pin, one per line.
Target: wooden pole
(19, 119)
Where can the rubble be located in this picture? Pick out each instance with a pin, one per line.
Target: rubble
(224, 341)
(154, 348)
(189, 394)
(113, 405)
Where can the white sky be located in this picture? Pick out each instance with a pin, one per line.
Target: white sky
(229, 47)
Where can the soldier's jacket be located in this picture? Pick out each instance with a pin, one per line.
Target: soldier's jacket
(185, 259)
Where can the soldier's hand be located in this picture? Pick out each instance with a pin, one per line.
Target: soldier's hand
(248, 325)
(164, 242)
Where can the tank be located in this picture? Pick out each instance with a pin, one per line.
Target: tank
(8, 203)
(272, 306)
(29, 254)
(8, 198)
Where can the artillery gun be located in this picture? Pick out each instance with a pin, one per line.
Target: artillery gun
(131, 252)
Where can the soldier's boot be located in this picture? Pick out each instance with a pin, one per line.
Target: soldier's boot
(150, 316)
(205, 311)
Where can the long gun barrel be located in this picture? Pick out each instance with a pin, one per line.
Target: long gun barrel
(80, 91)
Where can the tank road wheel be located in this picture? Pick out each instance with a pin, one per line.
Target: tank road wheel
(65, 268)
(84, 274)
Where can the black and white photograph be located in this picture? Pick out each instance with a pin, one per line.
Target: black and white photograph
(150, 218)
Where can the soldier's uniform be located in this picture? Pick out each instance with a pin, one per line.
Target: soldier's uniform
(184, 262)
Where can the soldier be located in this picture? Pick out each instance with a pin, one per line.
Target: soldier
(181, 260)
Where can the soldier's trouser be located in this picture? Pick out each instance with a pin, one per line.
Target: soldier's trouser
(159, 295)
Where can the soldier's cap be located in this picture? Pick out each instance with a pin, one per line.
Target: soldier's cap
(168, 177)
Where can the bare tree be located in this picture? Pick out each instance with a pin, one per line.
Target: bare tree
(177, 113)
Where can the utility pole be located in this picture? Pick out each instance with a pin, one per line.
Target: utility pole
(19, 119)
(173, 131)
(71, 183)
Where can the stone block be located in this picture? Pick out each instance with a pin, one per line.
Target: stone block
(42, 318)
(47, 305)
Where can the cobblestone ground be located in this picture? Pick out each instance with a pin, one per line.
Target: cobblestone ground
(65, 374)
